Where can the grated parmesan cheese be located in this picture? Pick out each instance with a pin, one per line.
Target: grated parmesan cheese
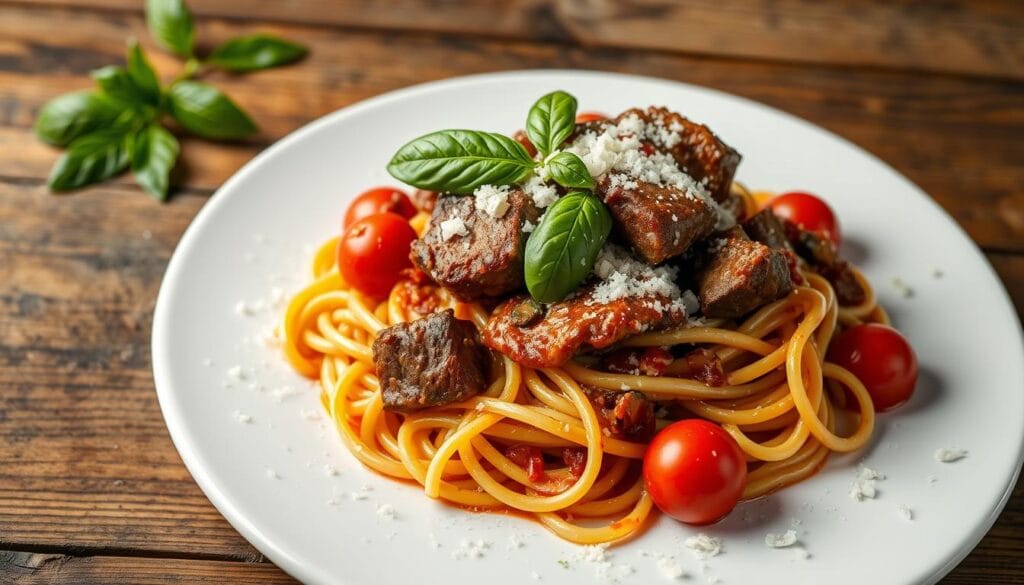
(492, 200)
(949, 455)
(775, 540)
(543, 195)
(669, 568)
(386, 512)
(905, 512)
(623, 276)
(242, 417)
(453, 227)
(864, 487)
(704, 546)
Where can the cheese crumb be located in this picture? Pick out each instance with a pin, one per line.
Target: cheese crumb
(330, 470)
(623, 276)
(309, 414)
(453, 227)
(471, 549)
(242, 417)
(704, 546)
(905, 512)
(670, 569)
(535, 576)
(514, 542)
(273, 474)
(775, 540)
(543, 195)
(236, 373)
(283, 392)
(386, 512)
(492, 200)
(864, 487)
(949, 454)
(243, 309)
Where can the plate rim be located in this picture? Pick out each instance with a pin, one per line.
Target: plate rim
(186, 445)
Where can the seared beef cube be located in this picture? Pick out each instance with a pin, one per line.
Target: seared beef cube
(738, 275)
(488, 260)
(429, 362)
(574, 323)
(699, 152)
(766, 227)
(626, 415)
(736, 206)
(824, 259)
(424, 200)
(657, 222)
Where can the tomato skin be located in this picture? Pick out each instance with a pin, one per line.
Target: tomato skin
(584, 117)
(881, 358)
(373, 251)
(809, 212)
(521, 137)
(378, 200)
(694, 471)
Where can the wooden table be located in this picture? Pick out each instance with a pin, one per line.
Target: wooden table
(91, 489)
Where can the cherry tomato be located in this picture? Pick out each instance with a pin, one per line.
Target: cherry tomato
(373, 251)
(694, 471)
(881, 358)
(584, 117)
(379, 200)
(808, 212)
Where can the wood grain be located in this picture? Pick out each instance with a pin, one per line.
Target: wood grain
(978, 38)
(969, 162)
(26, 568)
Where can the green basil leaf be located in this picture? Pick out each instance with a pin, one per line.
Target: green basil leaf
(117, 83)
(202, 109)
(255, 52)
(170, 23)
(142, 74)
(459, 161)
(551, 120)
(71, 115)
(569, 171)
(154, 152)
(90, 159)
(561, 250)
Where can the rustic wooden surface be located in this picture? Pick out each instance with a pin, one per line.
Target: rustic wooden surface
(91, 489)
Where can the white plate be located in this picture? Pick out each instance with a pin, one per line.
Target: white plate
(268, 476)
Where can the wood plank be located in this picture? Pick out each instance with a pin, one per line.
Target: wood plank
(26, 568)
(978, 38)
(959, 139)
(87, 461)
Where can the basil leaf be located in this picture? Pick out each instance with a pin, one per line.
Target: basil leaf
(71, 115)
(459, 161)
(91, 159)
(561, 250)
(142, 74)
(154, 152)
(202, 109)
(569, 171)
(255, 52)
(551, 120)
(117, 83)
(170, 22)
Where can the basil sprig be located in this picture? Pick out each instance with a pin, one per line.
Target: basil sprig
(119, 124)
(551, 120)
(459, 161)
(561, 250)
(569, 171)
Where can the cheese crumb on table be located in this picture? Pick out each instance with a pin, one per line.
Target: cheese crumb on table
(386, 512)
(670, 569)
(471, 549)
(704, 546)
(241, 417)
(864, 487)
(905, 512)
(776, 540)
(949, 454)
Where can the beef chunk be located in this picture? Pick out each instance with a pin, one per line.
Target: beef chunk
(574, 323)
(429, 362)
(737, 275)
(766, 227)
(657, 222)
(488, 261)
(424, 200)
(824, 259)
(699, 154)
(626, 415)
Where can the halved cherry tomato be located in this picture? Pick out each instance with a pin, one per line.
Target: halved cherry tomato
(530, 458)
(881, 358)
(373, 251)
(694, 471)
(379, 200)
(809, 212)
(584, 117)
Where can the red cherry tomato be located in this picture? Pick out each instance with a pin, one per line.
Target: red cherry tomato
(379, 200)
(808, 212)
(521, 137)
(584, 117)
(881, 358)
(694, 471)
(373, 251)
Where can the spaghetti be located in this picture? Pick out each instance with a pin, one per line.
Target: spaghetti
(783, 403)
